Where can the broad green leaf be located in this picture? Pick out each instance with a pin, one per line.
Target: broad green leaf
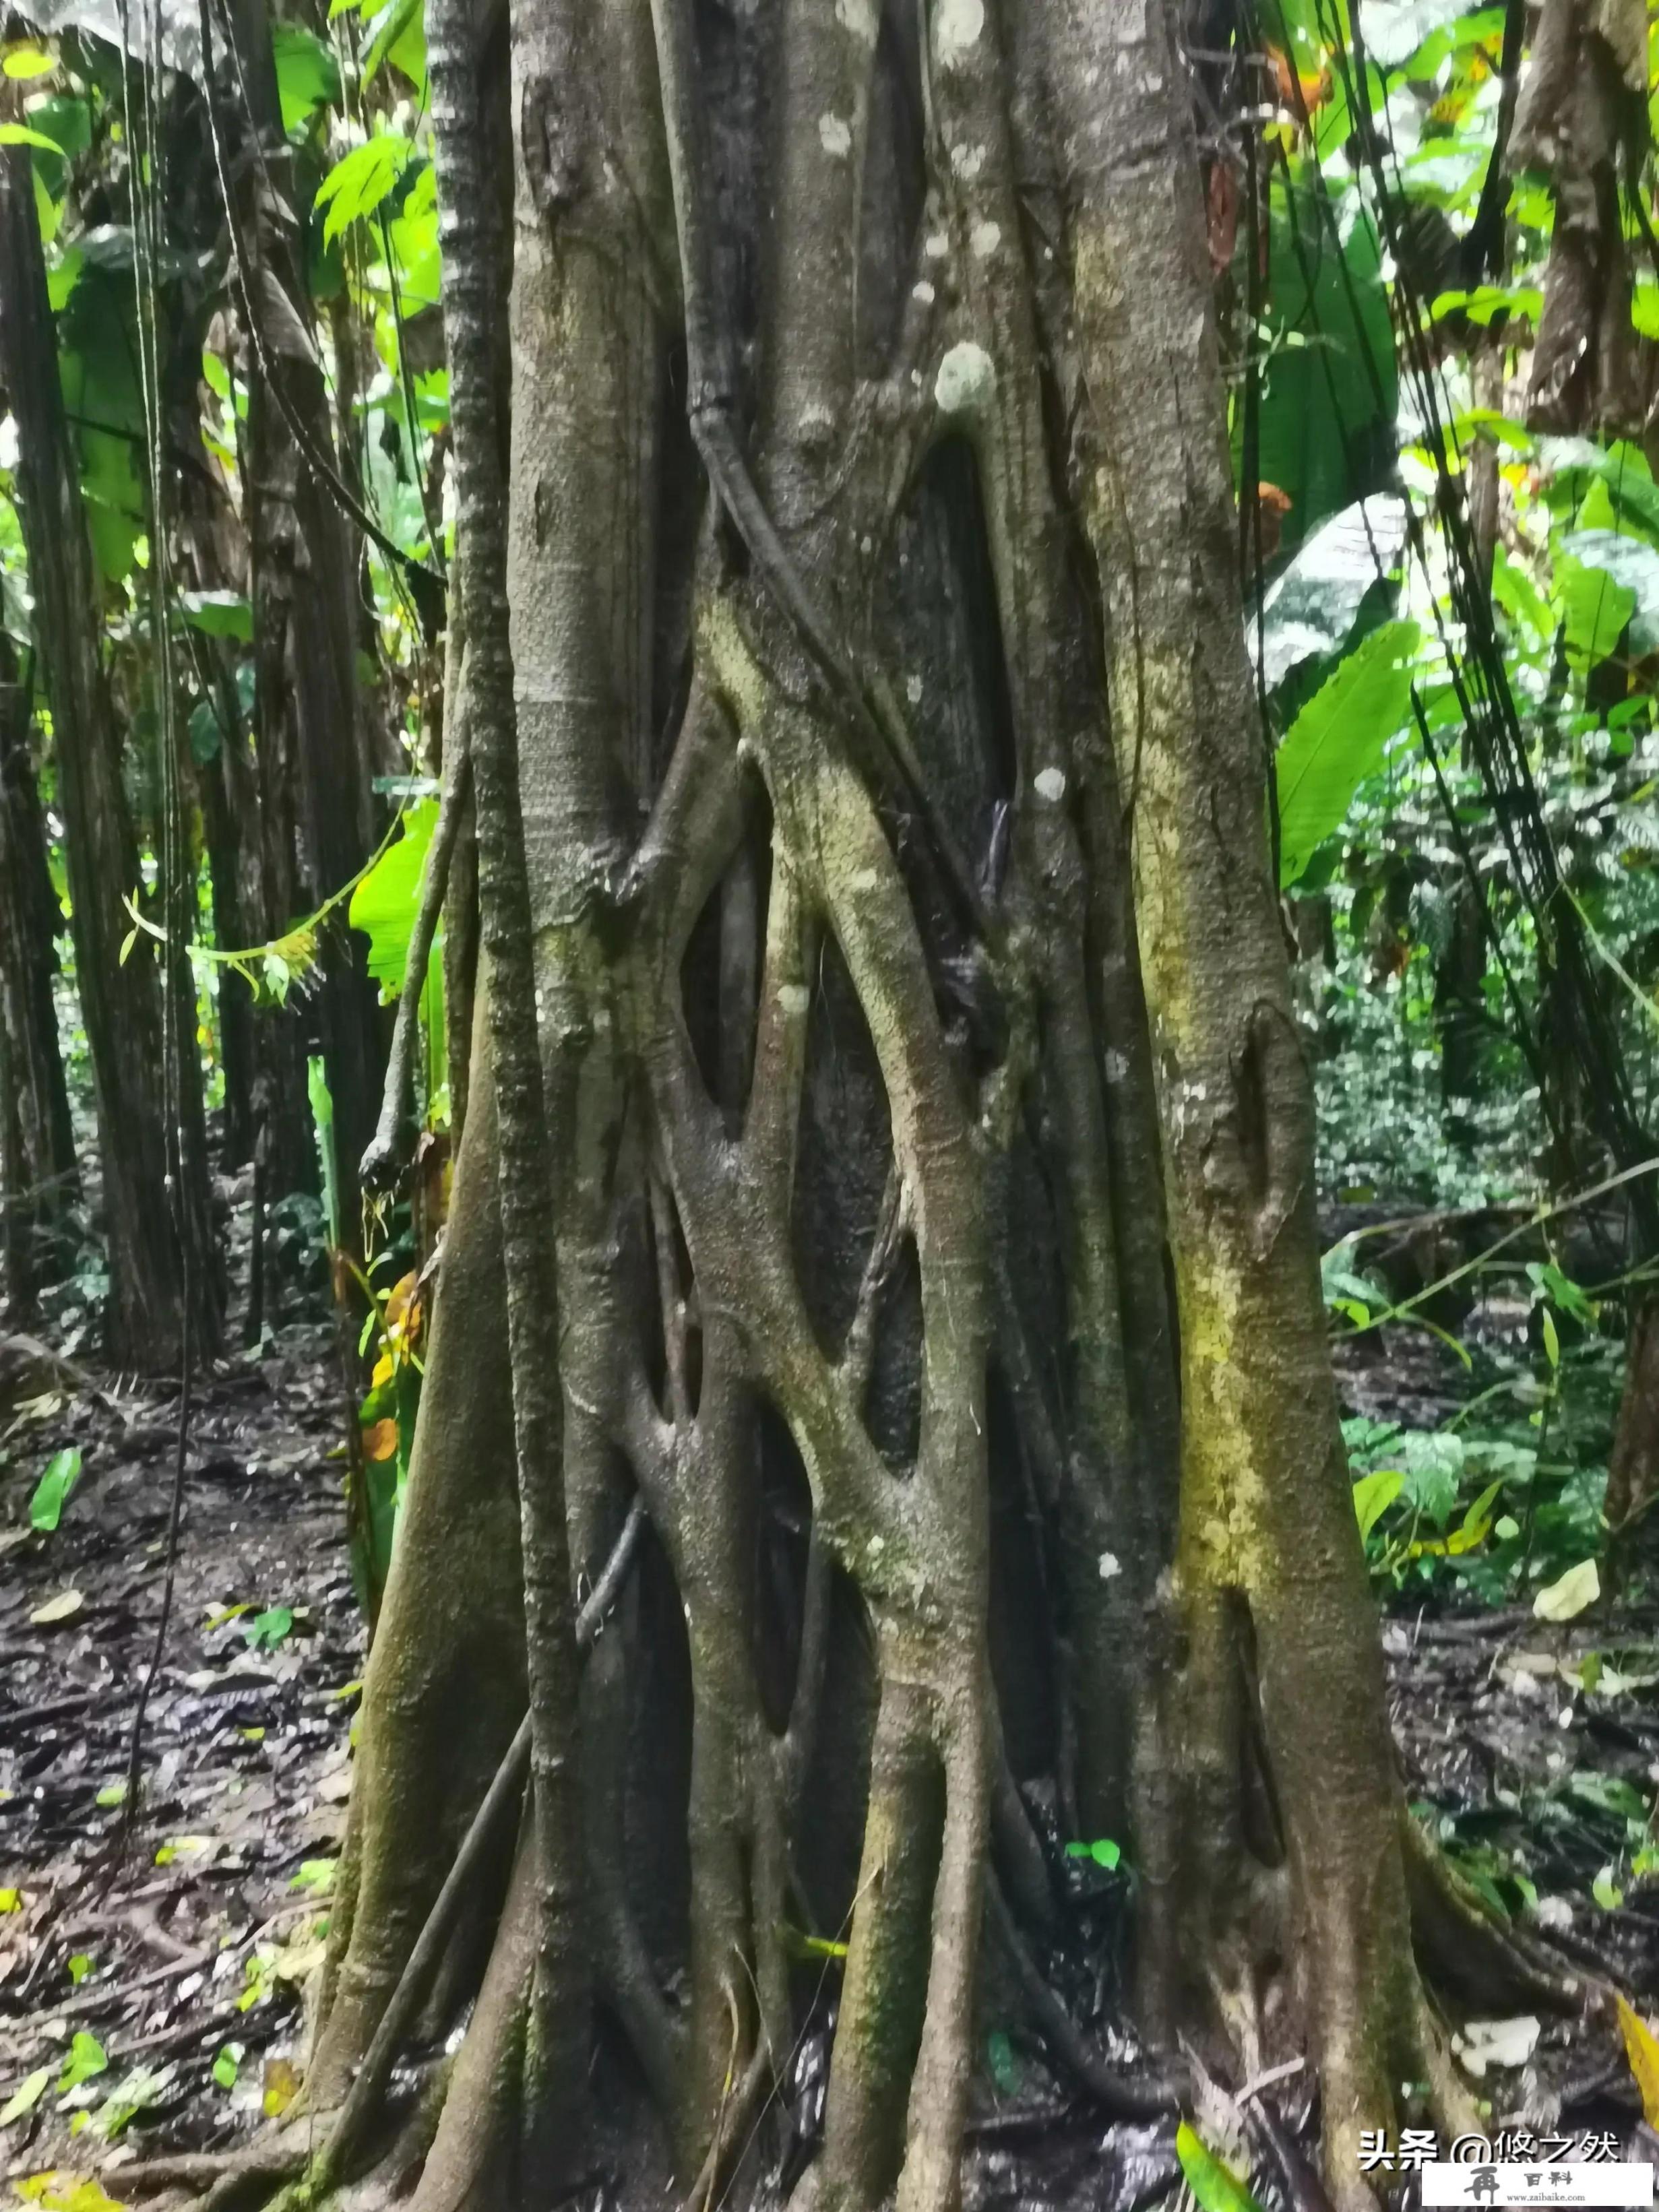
(1330, 388)
(1339, 738)
(1373, 1494)
(227, 2065)
(308, 74)
(1569, 1595)
(219, 614)
(25, 2096)
(383, 905)
(1215, 2186)
(1593, 608)
(19, 134)
(62, 1472)
(266, 1630)
(23, 61)
(80, 1966)
(358, 183)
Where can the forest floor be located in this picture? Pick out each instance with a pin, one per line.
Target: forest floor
(151, 1969)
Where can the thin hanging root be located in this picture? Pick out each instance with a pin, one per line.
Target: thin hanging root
(1467, 1952)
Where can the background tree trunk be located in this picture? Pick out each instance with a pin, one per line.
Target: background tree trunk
(155, 1183)
(41, 1175)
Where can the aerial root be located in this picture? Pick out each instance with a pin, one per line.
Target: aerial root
(1142, 2097)
(1471, 1955)
(252, 2163)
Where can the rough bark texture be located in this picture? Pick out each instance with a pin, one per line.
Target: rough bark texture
(924, 1101)
(155, 1185)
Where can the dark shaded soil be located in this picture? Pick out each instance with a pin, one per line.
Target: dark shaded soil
(189, 1934)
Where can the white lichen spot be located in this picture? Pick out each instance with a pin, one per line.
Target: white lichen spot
(985, 239)
(956, 26)
(1049, 783)
(794, 998)
(862, 880)
(858, 16)
(924, 292)
(966, 379)
(937, 245)
(967, 161)
(912, 689)
(1110, 1566)
(866, 545)
(836, 136)
(1117, 1064)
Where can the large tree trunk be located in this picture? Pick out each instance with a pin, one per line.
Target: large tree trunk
(154, 1182)
(875, 742)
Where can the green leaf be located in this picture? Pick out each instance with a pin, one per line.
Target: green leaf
(86, 2057)
(1215, 2186)
(1634, 565)
(1373, 1494)
(19, 134)
(1605, 1891)
(22, 62)
(361, 180)
(227, 2065)
(1006, 2069)
(314, 1874)
(79, 1966)
(1594, 609)
(308, 74)
(25, 2096)
(1339, 738)
(322, 1122)
(1102, 1851)
(398, 36)
(266, 1630)
(1330, 386)
(219, 614)
(384, 904)
(1551, 1341)
(63, 1472)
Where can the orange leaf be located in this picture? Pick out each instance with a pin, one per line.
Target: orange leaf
(380, 1439)
(1642, 2049)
